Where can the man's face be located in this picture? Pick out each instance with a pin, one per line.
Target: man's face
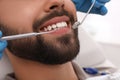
(25, 16)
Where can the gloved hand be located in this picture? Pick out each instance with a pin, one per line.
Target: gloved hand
(3, 45)
(98, 8)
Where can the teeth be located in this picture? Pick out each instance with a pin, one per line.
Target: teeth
(55, 26)
(49, 28)
(64, 24)
(59, 25)
(45, 29)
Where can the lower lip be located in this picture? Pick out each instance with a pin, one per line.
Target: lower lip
(60, 31)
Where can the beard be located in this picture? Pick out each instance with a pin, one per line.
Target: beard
(39, 49)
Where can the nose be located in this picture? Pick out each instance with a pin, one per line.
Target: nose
(54, 5)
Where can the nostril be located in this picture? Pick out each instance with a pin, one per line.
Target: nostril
(54, 6)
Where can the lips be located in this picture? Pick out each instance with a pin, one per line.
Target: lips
(56, 26)
(55, 23)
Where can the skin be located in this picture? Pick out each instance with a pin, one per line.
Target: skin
(20, 15)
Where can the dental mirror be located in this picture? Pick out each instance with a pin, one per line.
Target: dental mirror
(76, 24)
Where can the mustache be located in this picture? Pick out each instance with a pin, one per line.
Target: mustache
(53, 14)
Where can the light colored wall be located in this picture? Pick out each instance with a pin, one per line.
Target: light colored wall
(106, 30)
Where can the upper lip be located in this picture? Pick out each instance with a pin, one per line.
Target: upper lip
(55, 20)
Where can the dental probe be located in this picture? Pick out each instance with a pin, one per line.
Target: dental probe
(19, 36)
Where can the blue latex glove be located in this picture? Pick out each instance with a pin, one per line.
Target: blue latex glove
(3, 45)
(98, 8)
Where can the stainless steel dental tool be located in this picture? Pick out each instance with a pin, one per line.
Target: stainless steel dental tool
(19, 36)
(76, 24)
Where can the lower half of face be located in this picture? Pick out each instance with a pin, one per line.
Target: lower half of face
(54, 48)
(47, 49)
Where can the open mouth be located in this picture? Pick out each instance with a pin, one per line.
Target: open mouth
(58, 25)
(55, 26)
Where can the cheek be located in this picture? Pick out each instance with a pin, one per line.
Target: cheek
(18, 13)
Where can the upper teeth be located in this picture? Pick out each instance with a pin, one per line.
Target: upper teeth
(55, 26)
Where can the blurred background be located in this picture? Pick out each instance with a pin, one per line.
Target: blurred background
(105, 30)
